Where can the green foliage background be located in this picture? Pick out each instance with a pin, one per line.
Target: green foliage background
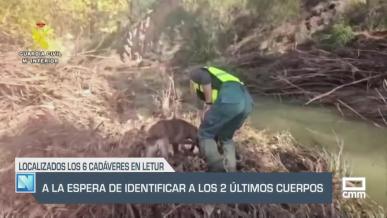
(66, 17)
(208, 20)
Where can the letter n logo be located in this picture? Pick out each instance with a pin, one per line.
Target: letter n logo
(25, 183)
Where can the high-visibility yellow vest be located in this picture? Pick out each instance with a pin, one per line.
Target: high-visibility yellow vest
(219, 74)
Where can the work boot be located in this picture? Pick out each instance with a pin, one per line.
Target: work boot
(229, 156)
(216, 166)
(209, 149)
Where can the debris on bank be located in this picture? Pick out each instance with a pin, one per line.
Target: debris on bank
(352, 78)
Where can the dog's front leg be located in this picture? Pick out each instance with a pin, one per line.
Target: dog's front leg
(151, 150)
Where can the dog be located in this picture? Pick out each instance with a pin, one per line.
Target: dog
(173, 132)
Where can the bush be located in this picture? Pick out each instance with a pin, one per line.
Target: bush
(338, 35)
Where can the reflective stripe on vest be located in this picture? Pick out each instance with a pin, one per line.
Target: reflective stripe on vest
(223, 76)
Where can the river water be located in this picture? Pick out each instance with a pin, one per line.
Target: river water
(365, 146)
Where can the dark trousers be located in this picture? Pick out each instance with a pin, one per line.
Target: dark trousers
(226, 115)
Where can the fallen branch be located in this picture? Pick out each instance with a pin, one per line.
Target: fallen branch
(340, 87)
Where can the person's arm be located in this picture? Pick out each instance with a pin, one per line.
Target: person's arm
(203, 78)
(207, 90)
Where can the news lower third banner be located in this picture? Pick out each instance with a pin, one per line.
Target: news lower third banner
(153, 180)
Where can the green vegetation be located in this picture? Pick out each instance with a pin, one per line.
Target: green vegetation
(214, 25)
(68, 18)
(338, 35)
(274, 12)
(367, 15)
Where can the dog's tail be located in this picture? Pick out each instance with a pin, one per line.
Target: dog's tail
(174, 116)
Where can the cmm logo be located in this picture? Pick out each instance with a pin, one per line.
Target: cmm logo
(25, 183)
(357, 191)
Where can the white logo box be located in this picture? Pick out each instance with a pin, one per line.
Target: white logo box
(354, 179)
